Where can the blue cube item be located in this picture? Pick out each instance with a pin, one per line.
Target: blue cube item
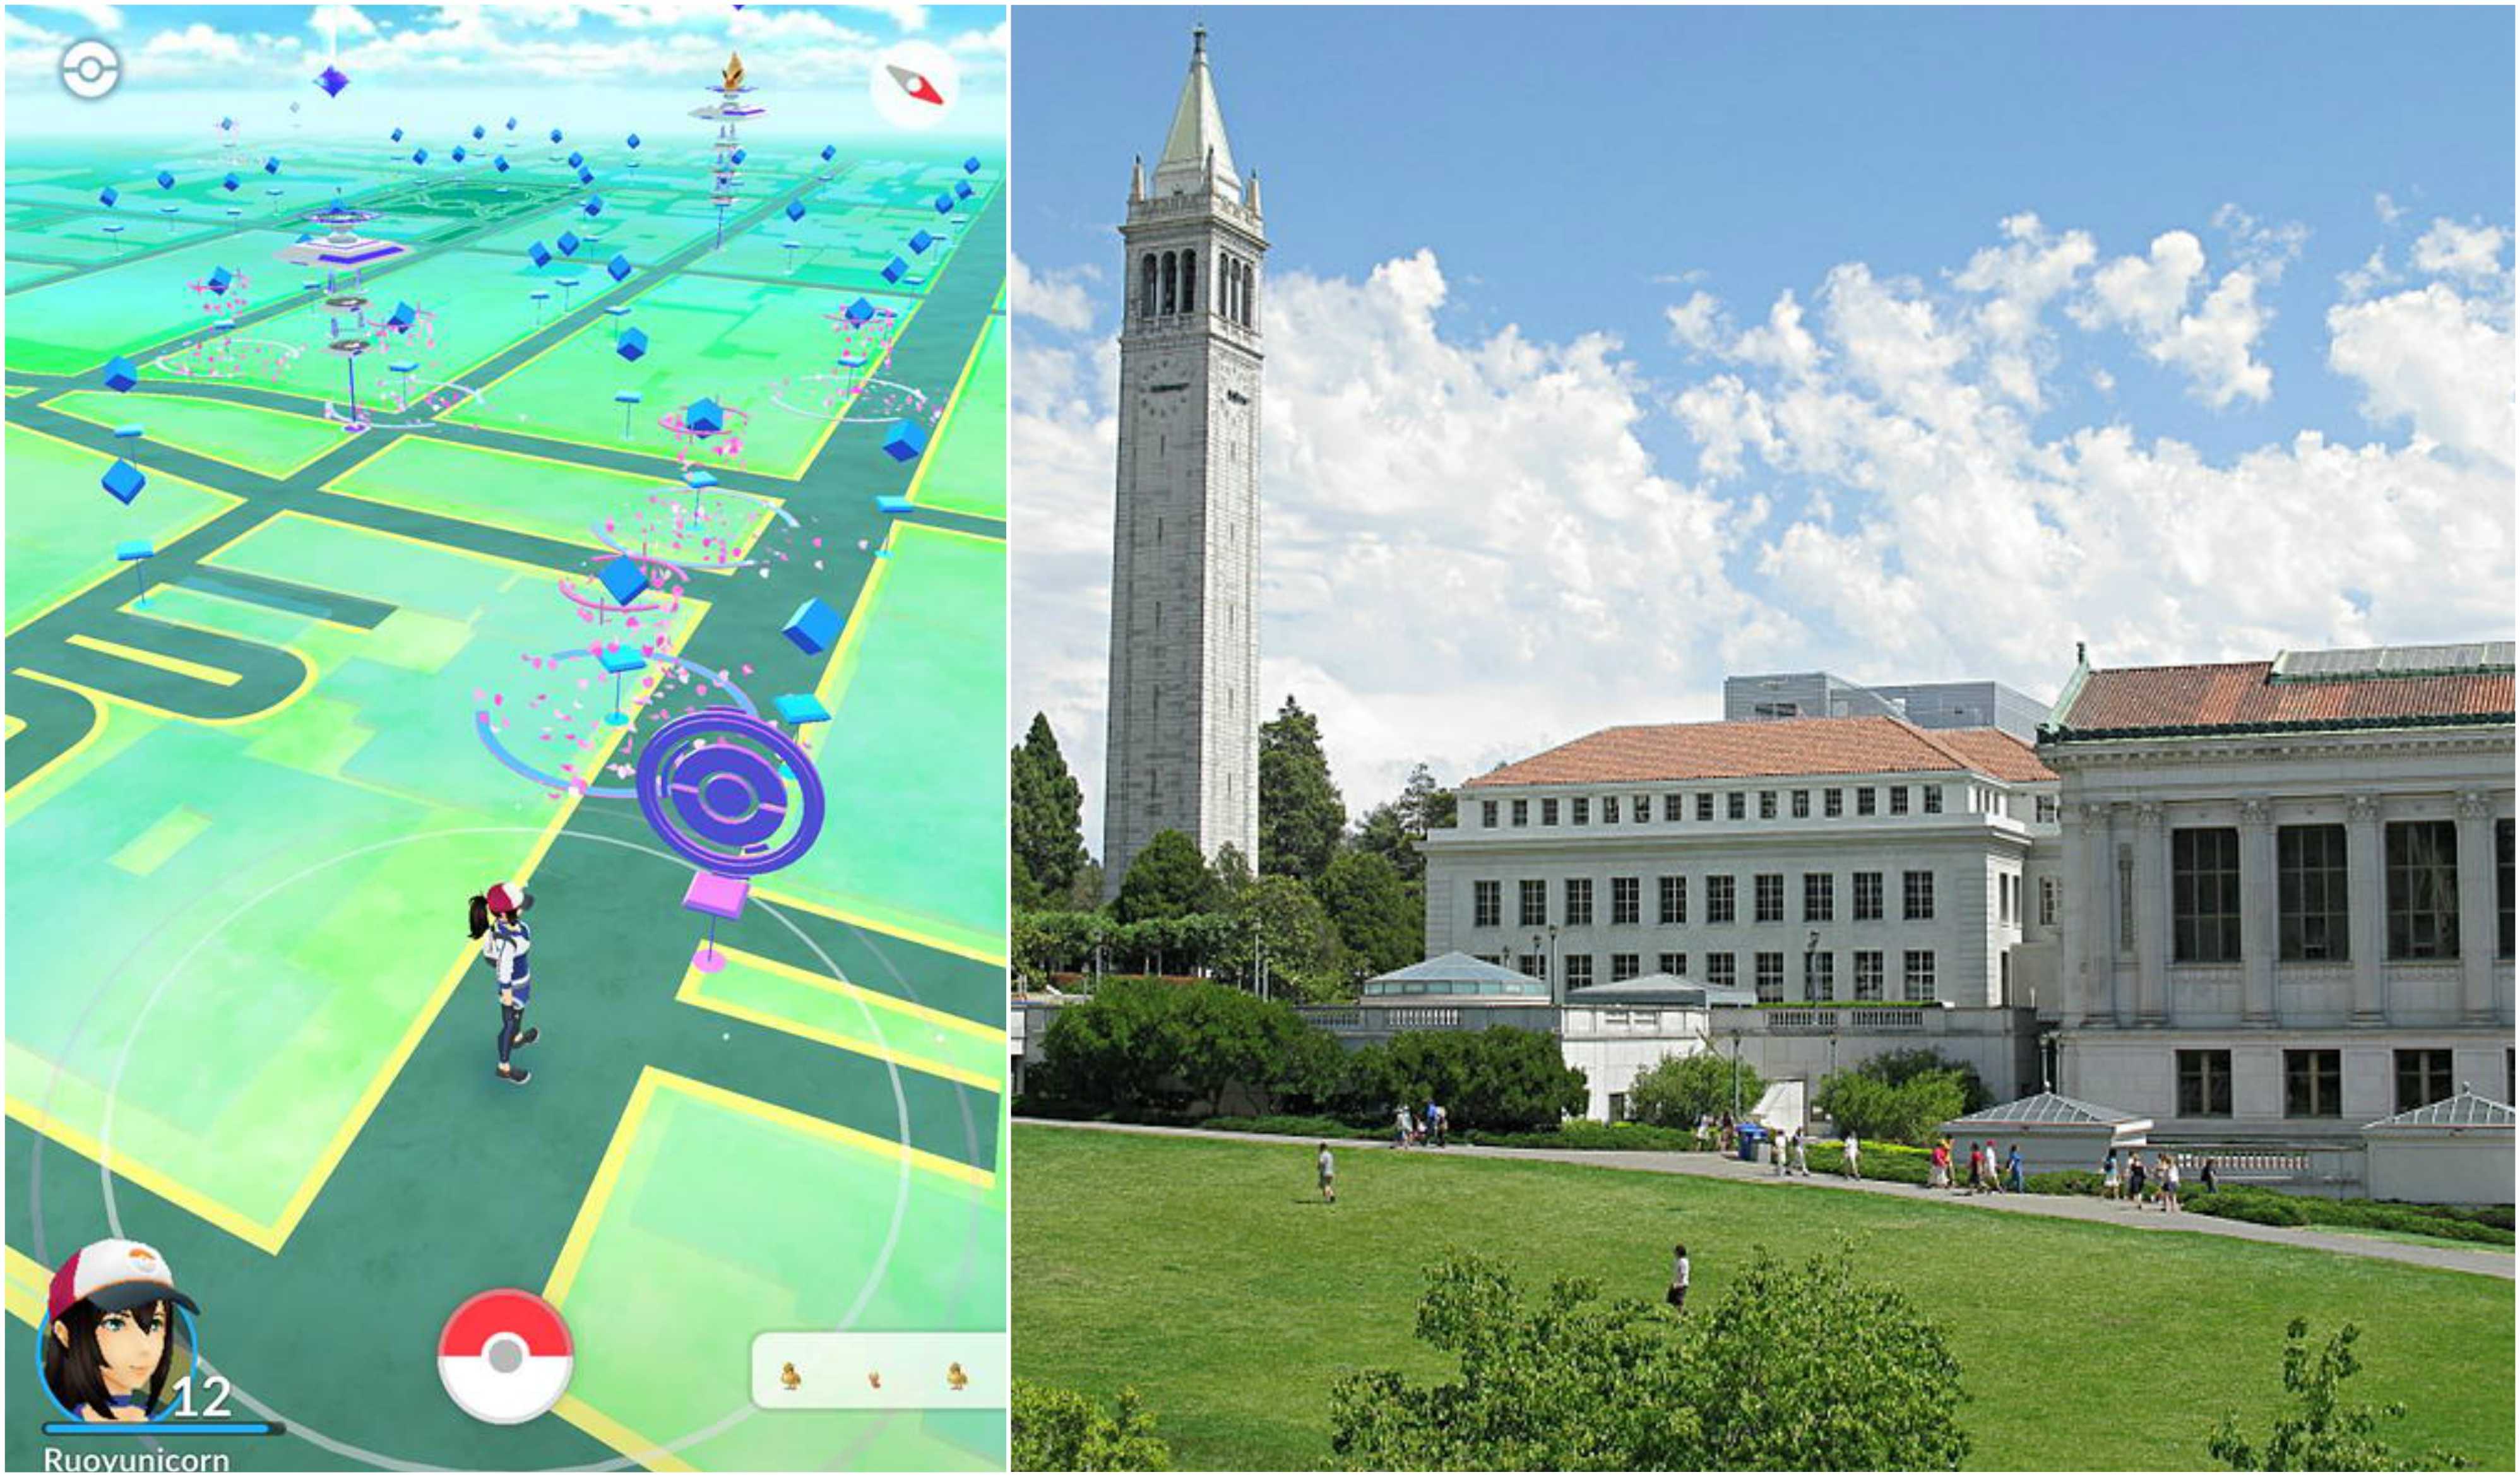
(739, 155)
(945, 204)
(633, 344)
(593, 206)
(567, 244)
(500, 163)
(220, 280)
(271, 165)
(814, 628)
(478, 131)
(124, 481)
(800, 708)
(961, 188)
(576, 160)
(795, 209)
(705, 417)
(554, 135)
(397, 135)
(539, 254)
(134, 549)
(108, 196)
(827, 152)
(420, 156)
(971, 166)
(623, 580)
(920, 242)
(459, 154)
(895, 269)
(230, 184)
(905, 442)
(623, 660)
(891, 503)
(618, 268)
(632, 141)
(403, 316)
(165, 181)
(859, 311)
(121, 375)
(586, 177)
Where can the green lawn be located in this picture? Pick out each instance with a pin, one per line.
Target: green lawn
(1207, 1275)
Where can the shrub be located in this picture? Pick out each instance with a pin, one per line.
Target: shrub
(1500, 1079)
(1902, 1112)
(1881, 1161)
(1056, 1430)
(2254, 1206)
(1677, 1091)
(2064, 1181)
(1585, 1133)
(2327, 1434)
(1294, 1126)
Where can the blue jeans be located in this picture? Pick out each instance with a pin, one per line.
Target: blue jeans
(512, 1024)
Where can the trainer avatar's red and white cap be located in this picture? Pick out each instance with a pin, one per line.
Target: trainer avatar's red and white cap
(510, 896)
(504, 1357)
(116, 1275)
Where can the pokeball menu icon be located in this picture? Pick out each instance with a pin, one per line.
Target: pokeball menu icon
(504, 1357)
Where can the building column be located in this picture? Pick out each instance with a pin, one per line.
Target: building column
(2478, 908)
(2258, 907)
(2151, 916)
(2366, 890)
(2089, 923)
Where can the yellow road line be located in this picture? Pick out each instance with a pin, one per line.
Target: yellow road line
(157, 1181)
(927, 1015)
(281, 475)
(691, 995)
(889, 927)
(94, 732)
(102, 698)
(229, 500)
(620, 1438)
(29, 1287)
(218, 676)
(970, 361)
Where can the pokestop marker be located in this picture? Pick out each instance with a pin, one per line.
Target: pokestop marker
(895, 269)
(623, 580)
(634, 342)
(705, 417)
(905, 442)
(971, 166)
(963, 189)
(504, 1357)
(814, 628)
(124, 481)
(121, 375)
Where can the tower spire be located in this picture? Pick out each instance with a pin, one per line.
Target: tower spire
(1198, 128)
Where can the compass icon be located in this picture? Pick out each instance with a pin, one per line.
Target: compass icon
(914, 86)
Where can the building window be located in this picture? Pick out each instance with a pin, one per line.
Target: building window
(1867, 974)
(1802, 805)
(2423, 889)
(1671, 808)
(1549, 812)
(1522, 813)
(1706, 806)
(1734, 804)
(1933, 800)
(1832, 803)
(1867, 897)
(2309, 893)
(1640, 808)
(1579, 902)
(1820, 897)
(2046, 811)
(2312, 1083)
(2423, 1077)
(1609, 810)
(1897, 799)
(1719, 971)
(2503, 884)
(1673, 964)
(1487, 905)
(2047, 890)
(1767, 897)
(1579, 971)
(2126, 899)
(1920, 974)
(1622, 966)
(1623, 899)
(2204, 1084)
(1864, 800)
(2205, 895)
(1488, 814)
(1719, 900)
(1767, 977)
(1580, 810)
(1675, 899)
(1918, 898)
(1819, 976)
(1534, 965)
(1767, 805)
(1535, 904)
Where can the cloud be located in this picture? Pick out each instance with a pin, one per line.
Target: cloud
(2472, 252)
(1060, 302)
(2438, 361)
(94, 19)
(2213, 346)
(2386, 208)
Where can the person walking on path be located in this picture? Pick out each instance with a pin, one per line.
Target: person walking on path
(1780, 1152)
(2169, 1184)
(2207, 1175)
(1802, 1159)
(1699, 1140)
(1854, 1157)
(1440, 1121)
(1327, 1169)
(1977, 1168)
(2134, 1179)
(1677, 1294)
(1938, 1166)
(2013, 1171)
(2109, 1174)
(1400, 1128)
(507, 950)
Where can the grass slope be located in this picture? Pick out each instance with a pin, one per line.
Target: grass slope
(1207, 1275)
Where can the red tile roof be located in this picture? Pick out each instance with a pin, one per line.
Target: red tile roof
(2244, 695)
(1748, 749)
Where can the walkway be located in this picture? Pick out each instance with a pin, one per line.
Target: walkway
(2480, 1260)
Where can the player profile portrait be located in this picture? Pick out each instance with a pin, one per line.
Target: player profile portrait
(115, 1344)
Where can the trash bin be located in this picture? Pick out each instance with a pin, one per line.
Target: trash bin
(1753, 1137)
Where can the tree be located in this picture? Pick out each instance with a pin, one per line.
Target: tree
(1045, 827)
(1676, 1090)
(1302, 814)
(1233, 873)
(2326, 1434)
(1912, 1112)
(1501, 1079)
(1167, 880)
(1369, 905)
(1803, 1368)
(1058, 1430)
(1294, 938)
(1111, 1050)
(1899, 1068)
(1141, 1046)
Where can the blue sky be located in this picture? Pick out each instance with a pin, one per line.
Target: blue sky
(1979, 435)
(584, 65)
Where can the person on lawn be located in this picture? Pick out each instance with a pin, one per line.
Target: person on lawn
(1677, 1294)
(2012, 1172)
(499, 914)
(1802, 1159)
(1327, 1169)
(1854, 1157)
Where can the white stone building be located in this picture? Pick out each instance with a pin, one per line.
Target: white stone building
(1183, 730)
(1874, 885)
(2289, 888)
